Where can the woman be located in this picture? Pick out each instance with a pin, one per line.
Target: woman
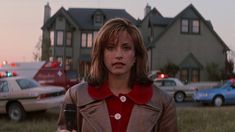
(118, 96)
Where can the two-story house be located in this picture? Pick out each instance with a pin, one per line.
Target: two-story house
(186, 40)
(70, 34)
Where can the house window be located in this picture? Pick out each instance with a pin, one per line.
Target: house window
(60, 37)
(195, 26)
(52, 37)
(98, 20)
(94, 36)
(184, 73)
(195, 75)
(83, 39)
(69, 39)
(190, 26)
(184, 25)
(87, 40)
(68, 63)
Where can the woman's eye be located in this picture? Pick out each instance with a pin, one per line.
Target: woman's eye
(109, 47)
(126, 47)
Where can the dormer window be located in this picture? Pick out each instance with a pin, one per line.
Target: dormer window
(190, 26)
(98, 17)
(184, 25)
(195, 26)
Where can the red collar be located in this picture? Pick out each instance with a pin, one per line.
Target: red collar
(140, 94)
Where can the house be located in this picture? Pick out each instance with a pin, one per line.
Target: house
(69, 35)
(187, 40)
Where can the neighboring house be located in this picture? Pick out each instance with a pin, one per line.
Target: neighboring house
(186, 40)
(69, 34)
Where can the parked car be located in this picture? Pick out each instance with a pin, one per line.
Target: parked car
(219, 95)
(203, 85)
(19, 95)
(156, 74)
(175, 88)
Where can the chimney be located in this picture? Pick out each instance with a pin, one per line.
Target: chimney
(47, 12)
(147, 9)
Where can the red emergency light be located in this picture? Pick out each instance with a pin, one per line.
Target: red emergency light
(7, 74)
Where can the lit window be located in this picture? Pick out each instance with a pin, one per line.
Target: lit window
(69, 39)
(60, 36)
(83, 39)
(94, 36)
(195, 75)
(89, 40)
(195, 26)
(184, 25)
(184, 75)
(68, 63)
(52, 37)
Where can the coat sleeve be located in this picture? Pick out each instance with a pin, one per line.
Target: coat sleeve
(68, 100)
(168, 120)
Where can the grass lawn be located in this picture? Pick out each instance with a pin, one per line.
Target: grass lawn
(196, 119)
(206, 119)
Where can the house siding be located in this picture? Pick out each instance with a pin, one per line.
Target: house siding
(174, 46)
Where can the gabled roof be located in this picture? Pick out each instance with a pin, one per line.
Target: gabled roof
(83, 17)
(60, 12)
(190, 61)
(153, 12)
(160, 21)
(207, 23)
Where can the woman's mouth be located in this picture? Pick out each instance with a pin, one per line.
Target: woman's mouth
(118, 64)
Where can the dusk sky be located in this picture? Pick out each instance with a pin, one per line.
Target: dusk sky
(21, 20)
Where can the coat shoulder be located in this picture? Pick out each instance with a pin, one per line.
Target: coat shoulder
(79, 94)
(160, 98)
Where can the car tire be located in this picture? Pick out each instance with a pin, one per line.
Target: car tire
(179, 97)
(218, 101)
(16, 112)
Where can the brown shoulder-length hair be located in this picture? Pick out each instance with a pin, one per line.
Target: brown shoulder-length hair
(98, 72)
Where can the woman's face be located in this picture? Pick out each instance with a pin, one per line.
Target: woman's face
(119, 55)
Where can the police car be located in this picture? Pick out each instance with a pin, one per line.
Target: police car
(19, 95)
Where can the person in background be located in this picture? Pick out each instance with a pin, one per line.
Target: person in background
(118, 96)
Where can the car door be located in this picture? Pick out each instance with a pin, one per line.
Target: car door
(4, 94)
(166, 85)
(230, 94)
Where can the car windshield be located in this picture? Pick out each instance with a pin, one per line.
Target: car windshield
(223, 85)
(179, 83)
(27, 83)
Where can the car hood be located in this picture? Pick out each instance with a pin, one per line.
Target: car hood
(47, 89)
(209, 90)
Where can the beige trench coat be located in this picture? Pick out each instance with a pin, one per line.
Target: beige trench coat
(158, 115)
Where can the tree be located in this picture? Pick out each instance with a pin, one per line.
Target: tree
(37, 50)
(214, 73)
(46, 49)
(170, 69)
(229, 67)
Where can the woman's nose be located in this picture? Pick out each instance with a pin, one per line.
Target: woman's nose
(119, 53)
